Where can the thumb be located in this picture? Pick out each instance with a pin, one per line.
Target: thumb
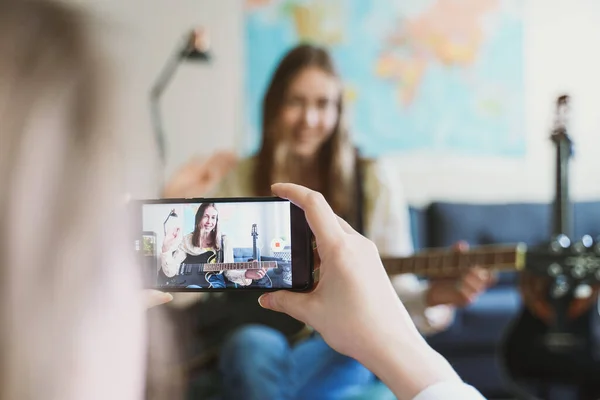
(290, 303)
(155, 298)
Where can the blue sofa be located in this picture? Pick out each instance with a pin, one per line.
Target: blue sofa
(472, 342)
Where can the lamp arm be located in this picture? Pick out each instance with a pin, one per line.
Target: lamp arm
(185, 49)
(164, 78)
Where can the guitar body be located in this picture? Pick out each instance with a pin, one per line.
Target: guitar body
(190, 275)
(556, 337)
(536, 354)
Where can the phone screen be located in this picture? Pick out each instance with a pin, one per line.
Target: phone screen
(225, 244)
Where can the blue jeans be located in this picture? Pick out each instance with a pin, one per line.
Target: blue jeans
(217, 281)
(258, 363)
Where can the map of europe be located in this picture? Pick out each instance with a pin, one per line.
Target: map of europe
(419, 75)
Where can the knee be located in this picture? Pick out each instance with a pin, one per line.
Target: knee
(253, 345)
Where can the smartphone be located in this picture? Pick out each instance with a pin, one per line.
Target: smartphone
(221, 244)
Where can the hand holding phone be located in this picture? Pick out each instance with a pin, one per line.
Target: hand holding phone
(156, 298)
(353, 286)
(357, 311)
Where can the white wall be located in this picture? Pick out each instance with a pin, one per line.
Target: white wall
(203, 106)
(235, 220)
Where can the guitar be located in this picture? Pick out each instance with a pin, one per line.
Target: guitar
(206, 264)
(555, 339)
(254, 239)
(442, 262)
(447, 263)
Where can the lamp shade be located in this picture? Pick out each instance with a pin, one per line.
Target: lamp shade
(198, 45)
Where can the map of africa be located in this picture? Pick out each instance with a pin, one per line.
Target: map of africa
(443, 75)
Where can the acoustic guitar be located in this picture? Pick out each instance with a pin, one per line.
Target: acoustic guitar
(447, 263)
(555, 339)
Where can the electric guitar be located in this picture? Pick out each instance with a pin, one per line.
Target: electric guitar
(205, 265)
(254, 239)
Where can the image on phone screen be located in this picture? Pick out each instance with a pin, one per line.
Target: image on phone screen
(220, 245)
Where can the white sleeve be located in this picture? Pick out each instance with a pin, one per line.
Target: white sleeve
(391, 233)
(172, 259)
(390, 218)
(449, 390)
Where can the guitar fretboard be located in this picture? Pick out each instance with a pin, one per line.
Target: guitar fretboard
(214, 267)
(444, 262)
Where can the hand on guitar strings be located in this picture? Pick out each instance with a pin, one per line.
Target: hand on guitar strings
(354, 306)
(460, 291)
(255, 274)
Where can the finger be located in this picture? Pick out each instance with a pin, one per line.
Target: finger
(321, 218)
(293, 304)
(346, 226)
(155, 298)
(460, 246)
(472, 284)
(481, 274)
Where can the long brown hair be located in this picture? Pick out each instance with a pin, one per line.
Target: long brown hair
(215, 232)
(336, 156)
(72, 319)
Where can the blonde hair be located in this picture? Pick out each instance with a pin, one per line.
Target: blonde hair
(72, 316)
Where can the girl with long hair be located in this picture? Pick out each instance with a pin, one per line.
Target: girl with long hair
(305, 140)
(205, 243)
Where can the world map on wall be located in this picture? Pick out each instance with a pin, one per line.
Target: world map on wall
(441, 75)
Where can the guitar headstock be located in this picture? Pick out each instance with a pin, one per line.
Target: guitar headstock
(579, 261)
(561, 119)
(254, 231)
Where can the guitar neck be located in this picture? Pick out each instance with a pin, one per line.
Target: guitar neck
(214, 267)
(562, 221)
(562, 213)
(444, 262)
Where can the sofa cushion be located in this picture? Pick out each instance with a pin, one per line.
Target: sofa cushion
(483, 322)
(481, 325)
(530, 223)
(418, 227)
(243, 254)
(503, 223)
(488, 224)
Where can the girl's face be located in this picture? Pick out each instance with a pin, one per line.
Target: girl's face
(310, 111)
(209, 220)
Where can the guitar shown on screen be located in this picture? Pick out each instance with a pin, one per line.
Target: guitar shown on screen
(205, 262)
(254, 247)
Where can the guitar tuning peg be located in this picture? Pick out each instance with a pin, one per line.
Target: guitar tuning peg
(585, 243)
(560, 243)
(597, 245)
